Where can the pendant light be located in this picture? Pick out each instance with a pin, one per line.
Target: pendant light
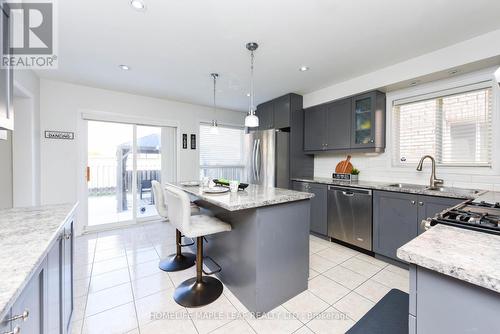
(214, 129)
(251, 120)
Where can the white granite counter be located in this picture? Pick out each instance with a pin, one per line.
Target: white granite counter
(253, 196)
(26, 235)
(405, 188)
(467, 255)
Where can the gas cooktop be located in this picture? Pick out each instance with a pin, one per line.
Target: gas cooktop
(482, 217)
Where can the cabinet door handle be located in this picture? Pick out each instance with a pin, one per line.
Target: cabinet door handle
(23, 316)
(413, 202)
(16, 330)
(421, 203)
(372, 141)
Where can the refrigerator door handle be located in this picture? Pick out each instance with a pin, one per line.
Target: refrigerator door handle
(254, 167)
(258, 160)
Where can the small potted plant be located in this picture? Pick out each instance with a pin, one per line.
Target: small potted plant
(355, 174)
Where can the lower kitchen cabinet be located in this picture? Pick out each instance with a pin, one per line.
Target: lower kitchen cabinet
(397, 217)
(319, 209)
(46, 303)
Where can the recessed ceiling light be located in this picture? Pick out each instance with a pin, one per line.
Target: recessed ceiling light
(453, 72)
(124, 67)
(304, 68)
(248, 94)
(414, 83)
(138, 5)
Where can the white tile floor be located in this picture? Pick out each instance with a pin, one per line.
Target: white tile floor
(119, 289)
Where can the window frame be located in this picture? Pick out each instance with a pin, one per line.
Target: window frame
(441, 94)
(485, 77)
(220, 125)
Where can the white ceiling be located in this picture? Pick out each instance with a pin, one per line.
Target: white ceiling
(174, 46)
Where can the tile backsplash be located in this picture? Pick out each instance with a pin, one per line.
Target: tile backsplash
(378, 168)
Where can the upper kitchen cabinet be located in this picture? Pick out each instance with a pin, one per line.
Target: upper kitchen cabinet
(315, 128)
(354, 123)
(338, 131)
(327, 126)
(281, 114)
(265, 113)
(368, 121)
(275, 114)
(6, 76)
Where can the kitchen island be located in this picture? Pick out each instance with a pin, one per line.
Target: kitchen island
(454, 281)
(265, 257)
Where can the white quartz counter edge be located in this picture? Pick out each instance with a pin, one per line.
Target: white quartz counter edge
(14, 281)
(252, 197)
(466, 255)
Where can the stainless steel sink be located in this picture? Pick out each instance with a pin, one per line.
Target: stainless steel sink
(458, 191)
(406, 186)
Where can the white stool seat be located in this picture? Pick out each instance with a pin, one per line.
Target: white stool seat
(191, 226)
(202, 225)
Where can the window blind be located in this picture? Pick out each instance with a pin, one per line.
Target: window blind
(454, 128)
(222, 149)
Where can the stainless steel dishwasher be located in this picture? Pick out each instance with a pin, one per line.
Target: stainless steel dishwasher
(350, 215)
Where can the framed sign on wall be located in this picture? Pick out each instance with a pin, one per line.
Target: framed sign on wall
(193, 141)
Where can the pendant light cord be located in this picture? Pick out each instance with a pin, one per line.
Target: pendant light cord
(252, 93)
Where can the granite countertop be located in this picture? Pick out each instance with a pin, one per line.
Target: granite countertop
(26, 235)
(406, 188)
(460, 253)
(253, 196)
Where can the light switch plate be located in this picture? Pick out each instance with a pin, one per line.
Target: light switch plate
(3, 134)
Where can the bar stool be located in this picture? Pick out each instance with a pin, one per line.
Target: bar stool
(179, 260)
(200, 290)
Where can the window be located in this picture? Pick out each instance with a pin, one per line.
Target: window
(221, 155)
(454, 127)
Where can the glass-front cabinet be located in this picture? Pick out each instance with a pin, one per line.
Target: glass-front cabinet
(367, 116)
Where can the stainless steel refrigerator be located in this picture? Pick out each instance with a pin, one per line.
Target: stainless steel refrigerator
(267, 158)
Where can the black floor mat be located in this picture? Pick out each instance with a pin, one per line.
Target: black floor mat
(388, 316)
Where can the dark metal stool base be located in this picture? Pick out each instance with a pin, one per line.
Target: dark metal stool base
(192, 294)
(176, 262)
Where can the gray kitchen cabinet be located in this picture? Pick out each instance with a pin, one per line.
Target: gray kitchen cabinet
(314, 128)
(397, 217)
(67, 276)
(394, 221)
(6, 76)
(265, 112)
(319, 210)
(28, 310)
(429, 206)
(338, 120)
(368, 121)
(446, 305)
(5, 324)
(281, 112)
(348, 124)
(54, 287)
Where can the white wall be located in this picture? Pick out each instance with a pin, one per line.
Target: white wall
(61, 105)
(6, 172)
(379, 167)
(469, 51)
(26, 139)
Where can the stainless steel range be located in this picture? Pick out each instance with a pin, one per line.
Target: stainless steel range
(476, 216)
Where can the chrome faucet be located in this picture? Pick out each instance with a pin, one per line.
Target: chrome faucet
(434, 183)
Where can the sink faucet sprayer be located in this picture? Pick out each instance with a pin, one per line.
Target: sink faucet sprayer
(434, 183)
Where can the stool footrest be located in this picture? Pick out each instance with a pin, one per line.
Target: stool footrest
(215, 263)
(188, 244)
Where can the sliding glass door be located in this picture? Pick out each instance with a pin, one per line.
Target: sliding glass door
(122, 161)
